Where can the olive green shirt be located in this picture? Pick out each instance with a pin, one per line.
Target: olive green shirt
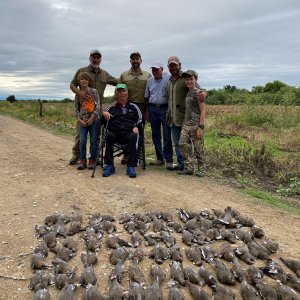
(177, 91)
(136, 83)
(100, 78)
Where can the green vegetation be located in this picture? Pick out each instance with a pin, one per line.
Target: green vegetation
(11, 98)
(253, 146)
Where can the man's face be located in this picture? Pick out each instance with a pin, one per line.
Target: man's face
(174, 68)
(95, 60)
(157, 72)
(135, 61)
(121, 95)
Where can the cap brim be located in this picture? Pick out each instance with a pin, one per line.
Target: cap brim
(173, 62)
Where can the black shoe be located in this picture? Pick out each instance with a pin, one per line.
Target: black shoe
(185, 172)
(73, 161)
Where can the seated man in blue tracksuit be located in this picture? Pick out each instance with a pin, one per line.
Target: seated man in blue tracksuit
(124, 124)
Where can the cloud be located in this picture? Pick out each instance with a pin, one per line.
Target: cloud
(243, 43)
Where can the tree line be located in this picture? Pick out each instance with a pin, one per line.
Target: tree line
(273, 93)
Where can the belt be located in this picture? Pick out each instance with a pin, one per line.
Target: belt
(158, 105)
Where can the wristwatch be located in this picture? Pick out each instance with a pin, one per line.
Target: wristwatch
(201, 126)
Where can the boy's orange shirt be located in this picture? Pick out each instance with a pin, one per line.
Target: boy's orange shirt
(88, 105)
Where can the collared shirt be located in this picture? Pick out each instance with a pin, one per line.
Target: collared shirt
(100, 78)
(136, 83)
(85, 108)
(156, 90)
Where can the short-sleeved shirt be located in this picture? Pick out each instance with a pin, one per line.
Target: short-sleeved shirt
(192, 109)
(156, 90)
(100, 78)
(136, 84)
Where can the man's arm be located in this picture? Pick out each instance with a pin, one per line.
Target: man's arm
(112, 80)
(139, 118)
(74, 86)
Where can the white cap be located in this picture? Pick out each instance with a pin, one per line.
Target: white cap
(157, 65)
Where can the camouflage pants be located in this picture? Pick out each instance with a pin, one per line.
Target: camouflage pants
(189, 134)
(76, 146)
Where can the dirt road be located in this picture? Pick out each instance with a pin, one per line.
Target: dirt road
(36, 180)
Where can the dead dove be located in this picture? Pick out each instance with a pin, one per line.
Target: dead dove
(245, 221)
(227, 253)
(154, 292)
(159, 254)
(60, 229)
(191, 225)
(71, 244)
(244, 235)
(208, 253)
(197, 293)
(266, 291)
(223, 273)
(174, 292)
(206, 277)
(237, 270)
(175, 253)
(115, 290)
(38, 261)
(271, 246)
(136, 291)
(183, 215)
(243, 253)
(125, 217)
(158, 225)
(168, 239)
(88, 258)
(150, 239)
(248, 292)
(292, 264)
(187, 237)
(41, 230)
(176, 226)
(141, 226)
(156, 273)
(88, 276)
(274, 270)
(42, 248)
(205, 213)
(50, 239)
(255, 275)
(176, 272)
(166, 216)
(285, 292)
(117, 271)
(193, 254)
(138, 255)
(68, 292)
(199, 237)
(220, 292)
(293, 282)
(92, 244)
(61, 280)
(109, 227)
(136, 239)
(75, 227)
(116, 242)
(135, 274)
(39, 280)
(118, 254)
(60, 266)
(130, 226)
(41, 294)
(257, 232)
(92, 292)
(258, 250)
(63, 253)
(191, 275)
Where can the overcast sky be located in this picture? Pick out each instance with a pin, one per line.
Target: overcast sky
(236, 42)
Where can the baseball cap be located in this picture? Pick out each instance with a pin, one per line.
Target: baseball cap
(157, 65)
(173, 60)
(136, 53)
(121, 86)
(190, 73)
(95, 51)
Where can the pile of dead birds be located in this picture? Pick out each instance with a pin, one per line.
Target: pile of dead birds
(210, 254)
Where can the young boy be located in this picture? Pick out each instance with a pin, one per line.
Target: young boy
(192, 127)
(87, 114)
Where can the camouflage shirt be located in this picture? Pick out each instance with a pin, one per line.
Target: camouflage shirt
(192, 109)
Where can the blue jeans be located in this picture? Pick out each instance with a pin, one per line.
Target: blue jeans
(176, 130)
(158, 121)
(93, 130)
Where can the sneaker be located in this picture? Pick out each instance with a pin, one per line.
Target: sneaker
(131, 172)
(82, 164)
(185, 172)
(157, 162)
(200, 173)
(91, 164)
(124, 159)
(171, 167)
(73, 161)
(109, 170)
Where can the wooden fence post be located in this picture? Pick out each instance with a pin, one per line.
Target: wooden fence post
(41, 107)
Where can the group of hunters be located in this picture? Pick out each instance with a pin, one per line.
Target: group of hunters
(174, 104)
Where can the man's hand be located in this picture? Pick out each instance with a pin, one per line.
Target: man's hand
(90, 120)
(82, 123)
(107, 115)
(135, 130)
(201, 95)
(199, 133)
(83, 95)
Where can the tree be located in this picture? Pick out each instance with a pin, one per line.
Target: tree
(274, 87)
(11, 98)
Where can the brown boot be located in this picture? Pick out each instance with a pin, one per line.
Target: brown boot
(82, 164)
(91, 164)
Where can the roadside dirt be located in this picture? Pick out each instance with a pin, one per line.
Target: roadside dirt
(36, 181)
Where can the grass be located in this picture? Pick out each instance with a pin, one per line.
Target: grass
(243, 143)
